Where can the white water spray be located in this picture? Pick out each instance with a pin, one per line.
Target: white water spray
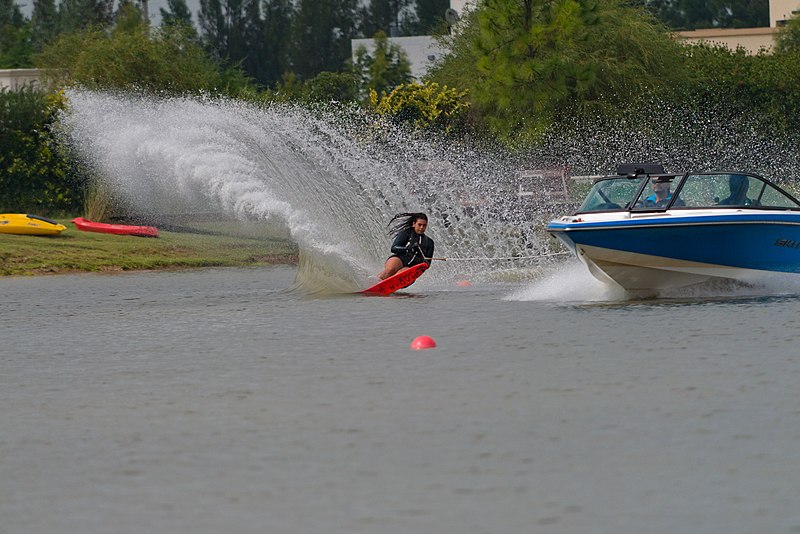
(334, 180)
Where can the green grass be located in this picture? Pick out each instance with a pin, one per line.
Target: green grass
(226, 244)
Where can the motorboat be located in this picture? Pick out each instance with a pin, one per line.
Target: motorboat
(647, 230)
(29, 224)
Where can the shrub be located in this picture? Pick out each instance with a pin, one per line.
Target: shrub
(424, 105)
(34, 174)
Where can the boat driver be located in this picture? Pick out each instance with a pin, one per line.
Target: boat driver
(661, 194)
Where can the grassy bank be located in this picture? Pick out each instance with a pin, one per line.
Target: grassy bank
(219, 245)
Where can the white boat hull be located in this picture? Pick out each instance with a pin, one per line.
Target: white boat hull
(648, 274)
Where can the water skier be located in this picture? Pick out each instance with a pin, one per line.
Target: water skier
(410, 246)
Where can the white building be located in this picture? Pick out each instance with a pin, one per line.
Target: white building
(422, 50)
(782, 10)
(751, 39)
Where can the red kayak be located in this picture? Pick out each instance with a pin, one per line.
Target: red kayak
(397, 281)
(119, 229)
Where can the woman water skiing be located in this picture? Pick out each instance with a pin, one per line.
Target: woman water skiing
(410, 246)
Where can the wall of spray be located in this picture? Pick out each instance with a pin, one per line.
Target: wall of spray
(335, 178)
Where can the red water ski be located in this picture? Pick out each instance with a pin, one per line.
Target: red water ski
(397, 281)
(119, 229)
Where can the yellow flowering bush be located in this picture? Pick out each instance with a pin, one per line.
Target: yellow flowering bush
(426, 105)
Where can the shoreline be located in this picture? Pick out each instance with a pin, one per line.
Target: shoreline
(230, 244)
(290, 260)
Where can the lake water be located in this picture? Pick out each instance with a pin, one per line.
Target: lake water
(223, 401)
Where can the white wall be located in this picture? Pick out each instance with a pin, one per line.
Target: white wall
(17, 78)
(751, 39)
(781, 10)
(422, 50)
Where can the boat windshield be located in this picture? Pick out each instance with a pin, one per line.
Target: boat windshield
(732, 190)
(612, 193)
(694, 190)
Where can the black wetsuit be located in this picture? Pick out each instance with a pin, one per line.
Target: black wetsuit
(407, 245)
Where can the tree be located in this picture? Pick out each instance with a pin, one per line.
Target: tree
(383, 15)
(131, 57)
(222, 28)
(385, 68)
(429, 17)
(526, 62)
(748, 14)
(76, 15)
(44, 23)
(177, 14)
(692, 15)
(10, 14)
(129, 17)
(212, 23)
(321, 34)
(15, 50)
(332, 87)
(233, 32)
(253, 41)
(278, 15)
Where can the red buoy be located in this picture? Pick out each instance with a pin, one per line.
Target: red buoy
(423, 342)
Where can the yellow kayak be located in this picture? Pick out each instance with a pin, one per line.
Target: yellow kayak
(26, 224)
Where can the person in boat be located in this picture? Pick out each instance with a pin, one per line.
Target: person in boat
(410, 246)
(661, 195)
(738, 184)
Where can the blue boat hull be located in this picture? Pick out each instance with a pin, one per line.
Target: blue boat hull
(657, 252)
